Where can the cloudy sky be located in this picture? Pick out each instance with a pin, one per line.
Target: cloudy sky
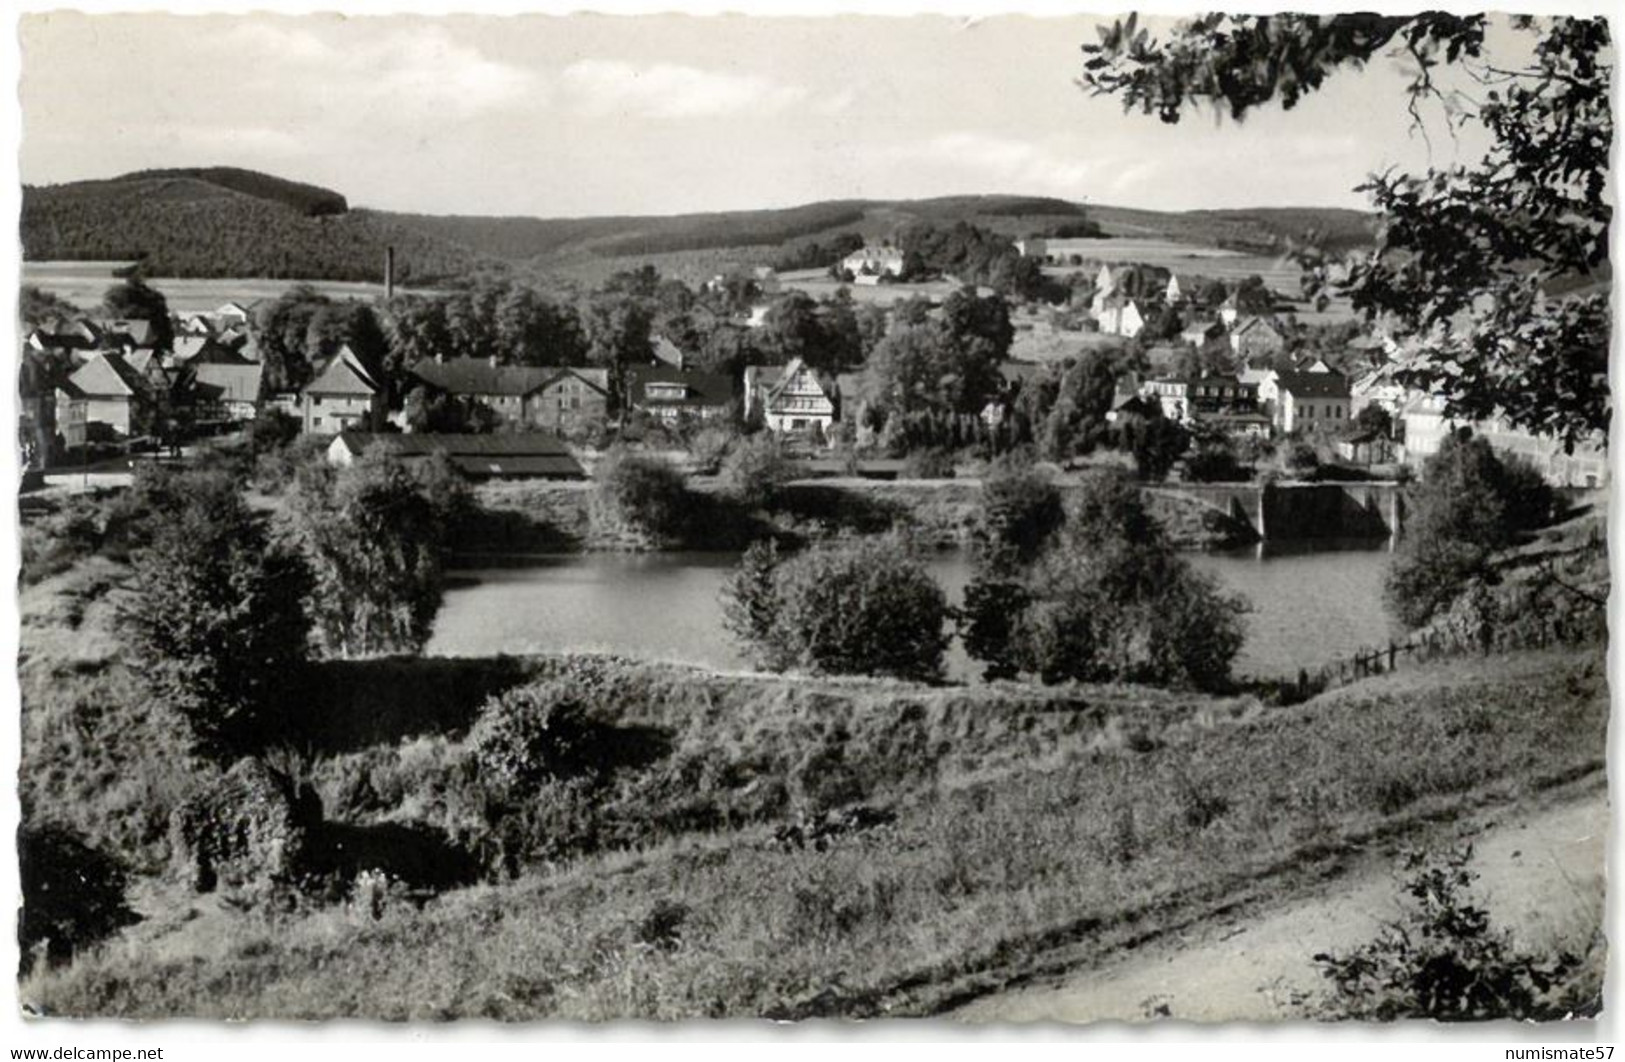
(558, 116)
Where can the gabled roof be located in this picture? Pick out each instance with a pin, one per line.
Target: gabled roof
(528, 453)
(699, 390)
(232, 383)
(109, 376)
(1253, 324)
(1313, 384)
(477, 376)
(343, 376)
(593, 376)
(666, 351)
(137, 331)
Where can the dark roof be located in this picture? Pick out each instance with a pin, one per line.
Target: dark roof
(700, 389)
(1313, 384)
(530, 453)
(477, 376)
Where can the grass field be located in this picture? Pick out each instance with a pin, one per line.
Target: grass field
(83, 284)
(1010, 822)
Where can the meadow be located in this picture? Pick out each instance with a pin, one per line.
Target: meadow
(758, 845)
(83, 284)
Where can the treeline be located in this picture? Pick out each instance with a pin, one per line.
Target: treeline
(305, 198)
(215, 233)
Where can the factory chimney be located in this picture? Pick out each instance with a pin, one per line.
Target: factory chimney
(389, 274)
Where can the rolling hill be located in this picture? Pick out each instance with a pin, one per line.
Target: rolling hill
(231, 222)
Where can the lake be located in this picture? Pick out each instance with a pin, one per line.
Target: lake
(1311, 603)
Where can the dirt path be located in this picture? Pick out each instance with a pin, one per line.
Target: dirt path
(1541, 875)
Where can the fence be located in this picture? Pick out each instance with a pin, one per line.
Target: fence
(1434, 644)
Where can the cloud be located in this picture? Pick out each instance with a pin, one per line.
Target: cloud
(1010, 163)
(669, 90)
(417, 68)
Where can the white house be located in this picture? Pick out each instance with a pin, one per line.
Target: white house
(1311, 401)
(884, 260)
(1121, 317)
(1172, 295)
(792, 398)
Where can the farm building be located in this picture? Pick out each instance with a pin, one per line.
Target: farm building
(515, 455)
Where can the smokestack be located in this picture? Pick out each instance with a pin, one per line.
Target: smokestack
(389, 274)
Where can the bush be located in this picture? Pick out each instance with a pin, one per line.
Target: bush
(217, 622)
(374, 535)
(1443, 960)
(867, 607)
(73, 895)
(756, 469)
(933, 463)
(642, 496)
(1109, 600)
(1020, 508)
(1469, 504)
(532, 735)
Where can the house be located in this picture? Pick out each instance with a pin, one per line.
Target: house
(874, 262)
(1188, 398)
(1121, 317)
(1199, 333)
(1229, 310)
(574, 399)
(118, 397)
(128, 334)
(229, 314)
(1256, 338)
(344, 397)
(1311, 401)
(1377, 388)
(791, 399)
(227, 391)
(1426, 427)
(670, 394)
(666, 352)
(566, 399)
(1171, 294)
(204, 350)
(509, 455)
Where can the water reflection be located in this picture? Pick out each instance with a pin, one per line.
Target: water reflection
(1312, 602)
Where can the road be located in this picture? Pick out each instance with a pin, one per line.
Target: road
(1541, 875)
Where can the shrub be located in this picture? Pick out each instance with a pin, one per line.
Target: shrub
(1469, 504)
(73, 895)
(373, 535)
(1020, 508)
(532, 735)
(217, 623)
(272, 430)
(756, 469)
(1109, 600)
(1444, 960)
(867, 607)
(932, 463)
(643, 496)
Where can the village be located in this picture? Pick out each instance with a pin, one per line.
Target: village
(98, 390)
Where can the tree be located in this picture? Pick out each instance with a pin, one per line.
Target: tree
(430, 410)
(217, 622)
(73, 895)
(1491, 268)
(374, 535)
(1375, 420)
(638, 495)
(282, 332)
(39, 308)
(133, 300)
(1109, 599)
(862, 608)
(756, 470)
(1468, 505)
(1156, 443)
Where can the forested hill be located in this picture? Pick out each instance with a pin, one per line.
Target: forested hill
(228, 222)
(190, 224)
